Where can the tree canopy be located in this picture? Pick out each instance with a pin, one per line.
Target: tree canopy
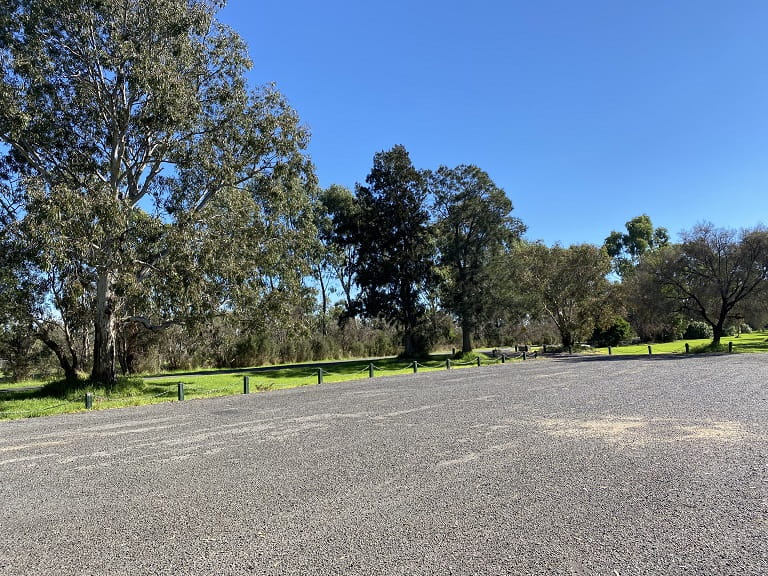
(714, 271)
(626, 249)
(395, 250)
(474, 227)
(133, 145)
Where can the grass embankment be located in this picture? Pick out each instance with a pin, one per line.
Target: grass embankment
(52, 398)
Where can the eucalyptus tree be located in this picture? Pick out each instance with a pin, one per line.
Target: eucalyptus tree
(337, 215)
(474, 228)
(395, 248)
(626, 249)
(147, 161)
(713, 272)
(570, 284)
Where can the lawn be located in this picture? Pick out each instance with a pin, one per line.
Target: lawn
(34, 398)
(50, 399)
(754, 342)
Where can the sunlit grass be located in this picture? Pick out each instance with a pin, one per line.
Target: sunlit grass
(55, 398)
(754, 342)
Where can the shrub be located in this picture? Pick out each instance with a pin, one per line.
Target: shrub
(737, 329)
(617, 331)
(698, 330)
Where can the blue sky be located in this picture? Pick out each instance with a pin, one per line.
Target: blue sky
(587, 113)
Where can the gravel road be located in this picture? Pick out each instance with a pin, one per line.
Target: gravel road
(562, 466)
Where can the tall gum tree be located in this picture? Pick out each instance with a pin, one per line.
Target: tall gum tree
(131, 124)
(474, 228)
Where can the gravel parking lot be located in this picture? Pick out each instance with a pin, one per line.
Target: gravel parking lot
(609, 466)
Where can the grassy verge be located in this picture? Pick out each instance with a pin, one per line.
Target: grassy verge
(755, 342)
(52, 398)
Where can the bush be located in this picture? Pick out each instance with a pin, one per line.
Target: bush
(737, 329)
(611, 335)
(698, 330)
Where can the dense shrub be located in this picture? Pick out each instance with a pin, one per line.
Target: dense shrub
(737, 329)
(612, 334)
(698, 330)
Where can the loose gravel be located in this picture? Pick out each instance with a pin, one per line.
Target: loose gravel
(615, 466)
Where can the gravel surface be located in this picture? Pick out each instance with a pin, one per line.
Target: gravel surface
(569, 466)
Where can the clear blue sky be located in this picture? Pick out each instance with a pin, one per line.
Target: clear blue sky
(587, 113)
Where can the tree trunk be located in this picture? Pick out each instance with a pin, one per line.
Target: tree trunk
(104, 333)
(70, 368)
(717, 333)
(466, 337)
(410, 347)
(324, 297)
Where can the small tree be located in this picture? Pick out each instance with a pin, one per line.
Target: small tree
(570, 285)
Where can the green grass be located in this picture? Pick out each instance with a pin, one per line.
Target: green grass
(755, 342)
(53, 398)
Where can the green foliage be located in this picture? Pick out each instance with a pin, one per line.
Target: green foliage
(738, 329)
(570, 285)
(714, 272)
(154, 186)
(640, 238)
(395, 247)
(612, 333)
(473, 229)
(697, 330)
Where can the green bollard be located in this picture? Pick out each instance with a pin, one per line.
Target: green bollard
(687, 347)
(650, 350)
(524, 357)
(609, 351)
(319, 375)
(88, 400)
(730, 346)
(503, 358)
(478, 361)
(370, 370)
(246, 385)
(447, 363)
(181, 391)
(415, 367)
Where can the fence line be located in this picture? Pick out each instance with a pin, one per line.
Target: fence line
(182, 389)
